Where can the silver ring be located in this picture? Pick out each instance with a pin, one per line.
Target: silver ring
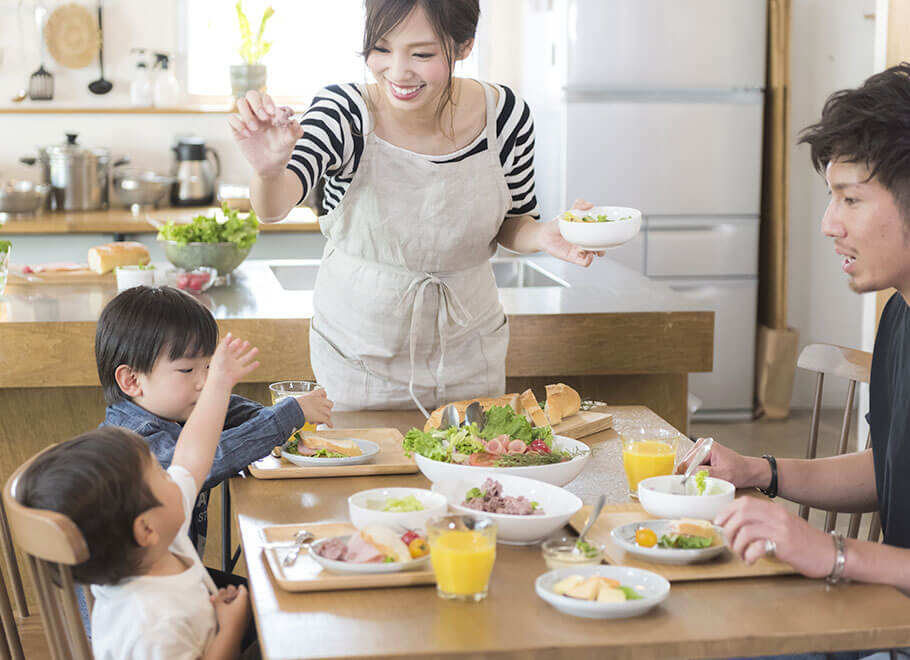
(770, 548)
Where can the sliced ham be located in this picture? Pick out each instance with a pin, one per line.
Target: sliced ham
(361, 552)
(305, 451)
(517, 447)
(482, 459)
(495, 446)
(333, 549)
(56, 267)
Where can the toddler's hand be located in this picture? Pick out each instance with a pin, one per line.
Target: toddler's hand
(233, 359)
(316, 407)
(232, 607)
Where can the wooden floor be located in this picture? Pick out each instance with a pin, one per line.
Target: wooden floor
(781, 438)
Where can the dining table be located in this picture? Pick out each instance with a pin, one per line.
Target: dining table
(719, 618)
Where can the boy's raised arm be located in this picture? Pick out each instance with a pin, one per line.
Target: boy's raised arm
(233, 359)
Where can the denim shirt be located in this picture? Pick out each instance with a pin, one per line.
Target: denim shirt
(251, 430)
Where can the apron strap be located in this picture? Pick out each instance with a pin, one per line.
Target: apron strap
(490, 97)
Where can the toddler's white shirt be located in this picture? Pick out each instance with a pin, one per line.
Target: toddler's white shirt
(162, 617)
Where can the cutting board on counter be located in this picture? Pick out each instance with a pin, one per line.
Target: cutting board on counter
(80, 276)
(584, 423)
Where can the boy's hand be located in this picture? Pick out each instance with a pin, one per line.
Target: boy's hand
(316, 407)
(233, 359)
(232, 607)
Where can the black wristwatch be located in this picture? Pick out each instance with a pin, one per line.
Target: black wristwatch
(771, 490)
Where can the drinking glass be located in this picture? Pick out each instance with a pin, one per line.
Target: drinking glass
(4, 268)
(285, 388)
(462, 552)
(647, 453)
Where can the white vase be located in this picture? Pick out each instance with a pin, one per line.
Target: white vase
(246, 77)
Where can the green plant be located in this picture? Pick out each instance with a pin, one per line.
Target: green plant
(252, 50)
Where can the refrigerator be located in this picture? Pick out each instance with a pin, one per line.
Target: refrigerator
(658, 105)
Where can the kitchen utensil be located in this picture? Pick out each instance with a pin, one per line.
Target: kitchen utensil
(474, 415)
(598, 507)
(41, 82)
(700, 455)
(449, 417)
(19, 96)
(100, 86)
(197, 168)
(21, 199)
(301, 538)
(137, 188)
(72, 36)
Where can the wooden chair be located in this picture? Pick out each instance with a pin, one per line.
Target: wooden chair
(854, 365)
(12, 646)
(52, 544)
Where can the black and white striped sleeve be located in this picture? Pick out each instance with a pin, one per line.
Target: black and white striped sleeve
(332, 139)
(515, 134)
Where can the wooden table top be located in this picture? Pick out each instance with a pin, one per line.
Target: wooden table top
(713, 619)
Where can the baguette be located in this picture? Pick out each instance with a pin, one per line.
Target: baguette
(562, 401)
(339, 445)
(532, 408)
(435, 418)
(105, 258)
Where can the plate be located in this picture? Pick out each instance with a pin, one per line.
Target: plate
(352, 568)
(653, 589)
(369, 449)
(624, 537)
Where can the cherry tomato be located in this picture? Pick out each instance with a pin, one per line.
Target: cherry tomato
(409, 536)
(539, 446)
(645, 537)
(418, 548)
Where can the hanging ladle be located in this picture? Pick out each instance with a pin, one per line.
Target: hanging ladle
(100, 86)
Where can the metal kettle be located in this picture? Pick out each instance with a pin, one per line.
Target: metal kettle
(196, 170)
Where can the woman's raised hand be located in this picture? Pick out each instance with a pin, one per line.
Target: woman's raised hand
(552, 242)
(265, 133)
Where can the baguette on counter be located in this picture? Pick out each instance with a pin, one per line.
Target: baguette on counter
(105, 258)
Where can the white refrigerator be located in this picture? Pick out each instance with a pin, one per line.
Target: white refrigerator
(658, 105)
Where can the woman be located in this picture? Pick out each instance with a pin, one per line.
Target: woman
(424, 175)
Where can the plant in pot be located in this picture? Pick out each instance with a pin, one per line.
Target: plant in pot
(251, 74)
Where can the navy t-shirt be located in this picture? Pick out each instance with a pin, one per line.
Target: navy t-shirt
(889, 420)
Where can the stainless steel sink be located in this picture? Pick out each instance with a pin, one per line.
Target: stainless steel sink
(509, 273)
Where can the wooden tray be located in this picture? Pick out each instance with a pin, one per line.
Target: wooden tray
(389, 460)
(81, 276)
(584, 423)
(306, 575)
(723, 567)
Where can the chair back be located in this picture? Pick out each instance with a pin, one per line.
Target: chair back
(840, 362)
(11, 646)
(52, 544)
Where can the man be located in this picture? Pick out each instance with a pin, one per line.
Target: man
(862, 145)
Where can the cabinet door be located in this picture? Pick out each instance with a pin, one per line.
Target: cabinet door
(692, 246)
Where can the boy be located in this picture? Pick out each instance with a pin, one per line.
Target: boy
(153, 597)
(152, 349)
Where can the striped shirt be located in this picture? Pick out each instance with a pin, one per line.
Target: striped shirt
(333, 141)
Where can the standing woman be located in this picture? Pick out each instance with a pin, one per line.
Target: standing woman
(425, 174)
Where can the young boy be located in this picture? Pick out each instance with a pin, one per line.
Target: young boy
(153, 597)
(152, 349)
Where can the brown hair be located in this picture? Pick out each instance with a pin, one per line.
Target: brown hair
(453, 21)
(96, 480)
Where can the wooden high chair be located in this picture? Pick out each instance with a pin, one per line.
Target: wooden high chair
(52, 544)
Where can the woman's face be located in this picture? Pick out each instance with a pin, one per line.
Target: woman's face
(409, 64)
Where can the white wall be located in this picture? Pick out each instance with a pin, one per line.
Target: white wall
(832, 48)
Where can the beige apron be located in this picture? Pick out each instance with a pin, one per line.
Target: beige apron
(406, 308)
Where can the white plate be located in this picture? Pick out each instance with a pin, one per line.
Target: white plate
(369, 449)
(353, 568)
(653, 589)
(558, 474)
(601, 235)
(624, 537)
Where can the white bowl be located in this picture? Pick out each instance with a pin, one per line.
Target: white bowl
(558, 474)
(658, 497)
(557, 503)
(434, 505)
(130, 276)
(602, 235)
(653, 588)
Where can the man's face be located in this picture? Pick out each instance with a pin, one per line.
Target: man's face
(869, 234)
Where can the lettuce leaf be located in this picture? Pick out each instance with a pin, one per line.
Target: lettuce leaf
(429, 444)
(242, 232)
(684, 541)
(503, 420)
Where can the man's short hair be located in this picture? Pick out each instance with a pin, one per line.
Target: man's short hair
(869, 125)
(141, 322)
(96, 480)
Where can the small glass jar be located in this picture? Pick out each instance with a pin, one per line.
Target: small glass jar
(562, 553)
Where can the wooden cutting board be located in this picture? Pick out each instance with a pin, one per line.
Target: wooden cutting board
(306, 575)
(81, 276)
(584, 423)
(389, 460)
(725, 566)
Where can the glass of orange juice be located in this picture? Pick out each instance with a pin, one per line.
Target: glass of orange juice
(285, 388)
(462, 552)
(647, 453)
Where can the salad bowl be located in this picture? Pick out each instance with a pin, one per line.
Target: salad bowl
(367, 507)
(600, 227)
(662, 497)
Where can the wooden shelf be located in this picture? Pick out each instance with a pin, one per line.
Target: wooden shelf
(36, 109)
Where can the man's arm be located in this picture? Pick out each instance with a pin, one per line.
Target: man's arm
(878, 563)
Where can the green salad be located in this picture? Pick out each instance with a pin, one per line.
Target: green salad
(700, 481)
(242, 232)
(291, 447)
(684, 542)
(405, 504)
(5, 246)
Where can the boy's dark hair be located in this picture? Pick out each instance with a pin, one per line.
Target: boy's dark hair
(137, 325)
(869, 125)
(97, 481)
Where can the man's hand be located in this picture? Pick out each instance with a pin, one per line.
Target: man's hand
(316, 407)
(233, 359)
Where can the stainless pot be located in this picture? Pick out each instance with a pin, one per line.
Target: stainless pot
(134, 187)
(79, 177)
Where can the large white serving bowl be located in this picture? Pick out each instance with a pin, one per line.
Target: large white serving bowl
(653, 588)
(602, 235)
(434, 504)
(558, 474)
(557, 503)
(659, 497)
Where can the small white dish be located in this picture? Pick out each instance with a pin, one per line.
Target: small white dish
(369, 449)
(434, 504)
(653, 589)
(557, 503)
(130, 276)
(356, 568)
(662, 498)
(623, 225)
(624, 538)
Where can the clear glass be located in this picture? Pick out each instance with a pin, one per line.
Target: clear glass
(462, 552)
(4, 268)
(561, 553)
(647, 453)
(285, 388)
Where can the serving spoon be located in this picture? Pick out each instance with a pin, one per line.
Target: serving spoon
(449, 417)
(474, 415)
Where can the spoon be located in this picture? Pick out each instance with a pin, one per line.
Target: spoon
(474, 415)
(598, 506)
(449, 417)
(301, 538)
(696, 462)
